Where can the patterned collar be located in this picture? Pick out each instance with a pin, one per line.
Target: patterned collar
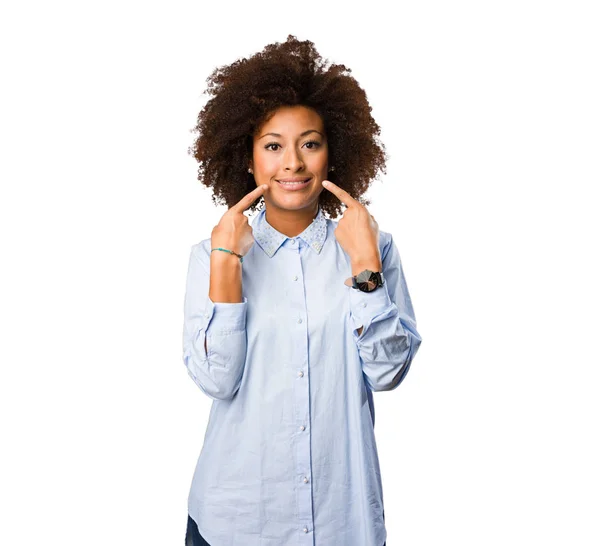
(269, 239)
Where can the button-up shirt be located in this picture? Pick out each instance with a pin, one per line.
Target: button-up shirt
(289, 455)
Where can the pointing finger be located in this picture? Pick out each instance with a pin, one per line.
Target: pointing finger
(341, 194)
(245, 202)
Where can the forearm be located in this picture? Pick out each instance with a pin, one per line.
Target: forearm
(372, 264)
(225, 278)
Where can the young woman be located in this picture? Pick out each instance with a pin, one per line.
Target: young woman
(292, 322)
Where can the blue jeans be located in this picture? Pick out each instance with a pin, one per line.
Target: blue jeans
(192, 535)
(194, 538)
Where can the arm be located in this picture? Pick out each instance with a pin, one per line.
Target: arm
(387, 337)
(214, 332)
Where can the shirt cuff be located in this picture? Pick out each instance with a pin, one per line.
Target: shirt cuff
(226, 317)
(365, 306)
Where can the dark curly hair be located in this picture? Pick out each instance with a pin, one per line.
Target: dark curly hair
(247, 92)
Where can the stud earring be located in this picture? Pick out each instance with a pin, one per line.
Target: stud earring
(332, 169)
(250, 171)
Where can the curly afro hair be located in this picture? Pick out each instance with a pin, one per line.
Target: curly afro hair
(247, 92)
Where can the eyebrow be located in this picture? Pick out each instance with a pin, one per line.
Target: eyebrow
(303, 134)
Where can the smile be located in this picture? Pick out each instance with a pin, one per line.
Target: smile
(294, 185)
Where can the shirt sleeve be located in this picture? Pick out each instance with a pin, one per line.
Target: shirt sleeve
(218, 371)
(389, 339)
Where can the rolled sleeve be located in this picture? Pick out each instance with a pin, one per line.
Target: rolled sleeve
(389, 339)
(218, 371)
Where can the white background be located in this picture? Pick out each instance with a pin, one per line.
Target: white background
(490, 114)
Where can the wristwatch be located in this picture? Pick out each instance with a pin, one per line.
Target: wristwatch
(366, 281)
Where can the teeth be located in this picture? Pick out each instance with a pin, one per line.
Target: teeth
(304, 182)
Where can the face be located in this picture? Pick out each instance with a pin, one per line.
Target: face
(291, 144)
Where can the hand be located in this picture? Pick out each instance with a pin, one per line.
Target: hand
(233, 231)
(357, 231)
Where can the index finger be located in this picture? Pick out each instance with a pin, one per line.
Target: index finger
(245, 202)
(341, 194)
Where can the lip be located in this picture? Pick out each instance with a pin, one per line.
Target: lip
(287, 187)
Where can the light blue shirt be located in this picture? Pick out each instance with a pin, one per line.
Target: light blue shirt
(289, 455)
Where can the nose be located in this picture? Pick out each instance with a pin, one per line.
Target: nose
(293, 160)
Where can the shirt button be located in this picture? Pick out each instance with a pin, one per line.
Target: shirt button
(305, 529)
(302, 427)
(305, 479)
(206, 315)
(299, 320)
(295, 277)
(300, 373)
(364, 304)
(293, 241)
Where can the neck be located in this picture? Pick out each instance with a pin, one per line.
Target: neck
(290, 222)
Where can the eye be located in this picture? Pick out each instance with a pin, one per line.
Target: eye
(315, 144)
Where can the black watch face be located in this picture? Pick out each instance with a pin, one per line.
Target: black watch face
(367, 280)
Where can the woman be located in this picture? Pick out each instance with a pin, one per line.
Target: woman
(290, 336)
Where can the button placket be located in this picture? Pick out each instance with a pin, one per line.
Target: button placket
(301, 393)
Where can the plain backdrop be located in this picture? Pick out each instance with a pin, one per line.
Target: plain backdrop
(490, 115)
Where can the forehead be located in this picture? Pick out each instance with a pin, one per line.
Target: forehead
(291, 119)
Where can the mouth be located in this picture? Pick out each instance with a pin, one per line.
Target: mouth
(294, 185)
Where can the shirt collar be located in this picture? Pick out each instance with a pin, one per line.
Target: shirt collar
(269, 239)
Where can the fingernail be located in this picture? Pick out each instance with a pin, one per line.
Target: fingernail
(325, 183)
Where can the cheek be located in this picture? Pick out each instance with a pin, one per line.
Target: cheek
(265, 162)
(319, 163)
(323, 157)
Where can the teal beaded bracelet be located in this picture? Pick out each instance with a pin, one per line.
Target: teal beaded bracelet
(231, 252)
